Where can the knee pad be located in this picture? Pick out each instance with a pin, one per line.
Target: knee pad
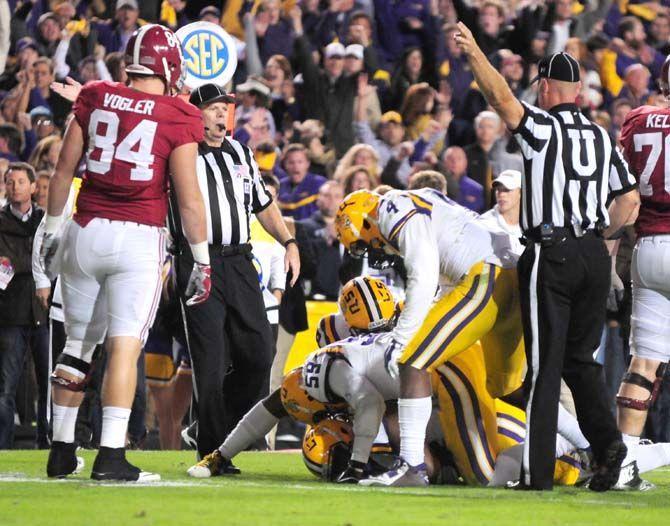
(654, 389)
(76, 360)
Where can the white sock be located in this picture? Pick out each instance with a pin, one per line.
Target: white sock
(563, 446)
(648, 456)
(114, 426)
(630, 440)
(254, 425)
(568, 428)
(63, 420)
(413, 417)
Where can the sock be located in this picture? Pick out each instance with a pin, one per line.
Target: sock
(563, 446)
(413, 416)
(568, 428)
(630, 440)
(508, 466)
(648, 456)
(63, 420)
(114, 426)
(254, 425)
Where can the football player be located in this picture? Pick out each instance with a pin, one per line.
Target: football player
(111, 252)
(348, 375)
(441, 244)
(645, 138)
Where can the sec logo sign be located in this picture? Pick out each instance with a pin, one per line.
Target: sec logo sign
(210, 54)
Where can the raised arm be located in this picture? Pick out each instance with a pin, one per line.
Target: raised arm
(491, 83)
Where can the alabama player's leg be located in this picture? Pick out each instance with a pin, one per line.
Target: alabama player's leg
(650, 335)
(85, 315)
(453, 324)
(134, 286)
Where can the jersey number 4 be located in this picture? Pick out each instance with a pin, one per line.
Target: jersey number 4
(655, 140)
(135, 148)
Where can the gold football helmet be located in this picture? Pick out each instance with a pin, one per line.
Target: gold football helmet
(300, 405)
(367, 304)
(326, 448)
(356, 222)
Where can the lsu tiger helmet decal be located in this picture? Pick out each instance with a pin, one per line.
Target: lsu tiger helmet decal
(326, 448)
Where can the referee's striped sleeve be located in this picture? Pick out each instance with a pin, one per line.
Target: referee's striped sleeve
(620, 179)
(260, 197)
(534, 130)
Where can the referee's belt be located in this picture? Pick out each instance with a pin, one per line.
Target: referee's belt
(549, 235)
(231, 250)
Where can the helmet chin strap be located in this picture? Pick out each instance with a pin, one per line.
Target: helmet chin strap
(166, 68)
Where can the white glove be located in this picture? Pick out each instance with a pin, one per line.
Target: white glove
(391, 355)
(48, 252)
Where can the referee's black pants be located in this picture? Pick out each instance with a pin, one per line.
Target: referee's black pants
(564, 289)
(230, 343)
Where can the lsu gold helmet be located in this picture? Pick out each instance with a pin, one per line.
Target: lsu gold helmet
(326, 448)
(299, 404)
(356, 222)
(367, 304)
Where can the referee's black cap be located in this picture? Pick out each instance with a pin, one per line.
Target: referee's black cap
(209, 93)
(559, 66)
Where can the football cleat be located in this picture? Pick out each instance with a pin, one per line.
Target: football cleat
(213, 465)
(401, 474)
(355, 472)
(63, 461)
(111, 464)
(606, 470)
(630, 480)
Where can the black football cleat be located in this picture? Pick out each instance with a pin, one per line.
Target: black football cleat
(607, 469)
(111, 464)
(63, 460)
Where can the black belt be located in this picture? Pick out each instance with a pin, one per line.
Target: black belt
(550, 235)
(231, 250)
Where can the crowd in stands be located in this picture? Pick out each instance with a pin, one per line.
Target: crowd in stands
(339, 95)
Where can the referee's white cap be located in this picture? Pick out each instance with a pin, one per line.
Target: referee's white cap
(559, 66)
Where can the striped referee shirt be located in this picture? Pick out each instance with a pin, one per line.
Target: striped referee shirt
(572, 169)
(232, 189)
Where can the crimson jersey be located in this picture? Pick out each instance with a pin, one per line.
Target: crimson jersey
(645, 137)
(129, 136)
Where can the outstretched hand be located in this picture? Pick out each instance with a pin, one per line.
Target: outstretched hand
(69, 91)
(465, 40)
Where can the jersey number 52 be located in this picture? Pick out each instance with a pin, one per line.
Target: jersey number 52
(135, 148)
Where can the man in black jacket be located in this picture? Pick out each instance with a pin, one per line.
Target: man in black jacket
(22, 317)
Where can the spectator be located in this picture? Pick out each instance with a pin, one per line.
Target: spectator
(328, 94)
(4, 163)
(26, 54)
(563, 23)
(486, 23)
(299, 189)
(254, 95)
(619, 111)
(359, 154)
(636, 85)
(658, 35)
(279, 77)
(408, 73)
(114, 34)
(511, 68)
(116, 66)
(39, 92)
(416, 109)
(41, 120)
(320, 252)
(274, 33)
(333, 24)
(358, 177)
(428, 179)
(174, 14)
(460, 187)
(311, 134)
(46, 153)
(487, 130)
(634, 48)
(455, 69)
(42, 189)
(10, 142)
(22, 317)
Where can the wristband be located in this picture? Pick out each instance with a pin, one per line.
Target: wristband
(200, 252)
(52, 224)
(289, 241)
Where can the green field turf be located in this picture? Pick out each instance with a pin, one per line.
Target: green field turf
(275, 488)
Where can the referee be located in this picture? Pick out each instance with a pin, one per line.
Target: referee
(572, 170)
(228, 336)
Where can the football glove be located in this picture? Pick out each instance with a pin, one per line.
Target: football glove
(199, 284)
(48, 252)
(391, 355)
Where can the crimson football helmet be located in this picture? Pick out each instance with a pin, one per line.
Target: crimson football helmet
(155, 50)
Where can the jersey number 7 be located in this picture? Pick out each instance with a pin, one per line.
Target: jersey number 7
(655, 140)
(135, 148)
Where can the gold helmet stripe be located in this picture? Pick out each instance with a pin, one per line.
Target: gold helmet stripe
(368, 300)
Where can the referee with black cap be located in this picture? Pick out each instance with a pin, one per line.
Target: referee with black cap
(573, 170)
(228, 336)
